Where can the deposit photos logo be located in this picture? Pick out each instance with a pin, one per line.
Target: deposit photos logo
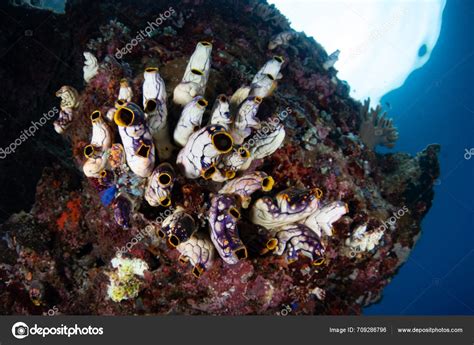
(21, 330)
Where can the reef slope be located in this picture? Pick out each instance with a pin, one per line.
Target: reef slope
(56, 256)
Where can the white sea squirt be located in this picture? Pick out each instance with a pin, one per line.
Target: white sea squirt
(101, 133)
(323, 218)
(156, 111)
(237, 160)
(190, 119)
(294, 240)
(289, 206)
(91, 66)
(96, 161)
(248, 184)
(271, 67)
(64, 120)
(125, 91)
(198, 251)
(69, 97)
(220, 113)
(268, 143)
(240, 95)
(136, 139)
(159, 186)
(363, 241)
(178, 227)
(246, 119)
(332, 59)
(281, 39)
(153, 87)
(198, 158)
(262, 85)
(195, 76)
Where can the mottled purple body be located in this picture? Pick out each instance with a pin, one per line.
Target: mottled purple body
(298, 239)
(223, 217)
(122, 208)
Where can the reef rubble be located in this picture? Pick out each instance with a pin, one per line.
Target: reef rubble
(154, 231)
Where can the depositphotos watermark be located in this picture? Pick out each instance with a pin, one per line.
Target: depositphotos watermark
(394, 218)
(267, 127)
(144, 33)
(28, 133)
(148, 231)
(21, 330)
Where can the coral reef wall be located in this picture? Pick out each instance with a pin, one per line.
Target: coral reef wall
(57, 256)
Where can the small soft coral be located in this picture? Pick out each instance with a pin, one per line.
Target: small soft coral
(375, 129)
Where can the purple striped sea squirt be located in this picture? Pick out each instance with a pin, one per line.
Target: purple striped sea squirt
(136, 139)
(223, 217)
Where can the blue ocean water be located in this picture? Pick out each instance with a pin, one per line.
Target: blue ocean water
(436, 105)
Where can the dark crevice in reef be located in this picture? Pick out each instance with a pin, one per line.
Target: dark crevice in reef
(58, 253)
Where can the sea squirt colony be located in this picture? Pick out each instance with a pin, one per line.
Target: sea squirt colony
(143, 166)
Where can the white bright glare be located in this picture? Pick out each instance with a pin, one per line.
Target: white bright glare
(379, 40)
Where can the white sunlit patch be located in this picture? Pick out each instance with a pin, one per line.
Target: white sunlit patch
(381, 41)
(57, 6)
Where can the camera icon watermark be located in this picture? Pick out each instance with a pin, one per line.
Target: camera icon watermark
(20, 330)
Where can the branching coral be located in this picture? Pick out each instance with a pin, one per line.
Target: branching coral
(375, 129)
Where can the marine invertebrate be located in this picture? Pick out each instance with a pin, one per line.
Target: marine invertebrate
(220, 114)
(154, 103)
(289, 206)
(272, 68)
(281, 39)
(240, 95)
(136, 138)
(122, 207)
(69, 103)
(91, 66)
(259, 285)
(190, 119)
(153, 89)
(246, 119)
(262, 85)
(248, 184)
(102, 136)
(267, 144)
(69, 97)
(198, 251)
(362, 240)
(375, 129)
(195, 76)
(332, 59)
(160, 184)
(238, 159)
(323, 218)
(296, 239)
(95, 161)
(178, 227)
(202, 151)
(125, 91)
(64, 120)
(223, 216)
(124, 281)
